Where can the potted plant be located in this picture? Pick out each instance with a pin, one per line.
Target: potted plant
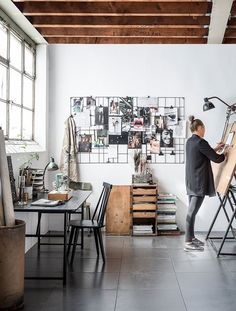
(12, 242)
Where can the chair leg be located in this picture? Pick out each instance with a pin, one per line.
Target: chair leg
(89, 217)
(69, 219)
(101, 244)
(96, 240)
(74, 245)
(70, 240)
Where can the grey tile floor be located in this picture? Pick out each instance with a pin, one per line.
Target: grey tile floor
(141, 273)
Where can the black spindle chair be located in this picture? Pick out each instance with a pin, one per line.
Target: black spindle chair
(95, 224)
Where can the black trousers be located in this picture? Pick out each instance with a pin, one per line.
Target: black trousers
(195, 203)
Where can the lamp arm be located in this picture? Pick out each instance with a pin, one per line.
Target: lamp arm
(44, 174)
(219, 100)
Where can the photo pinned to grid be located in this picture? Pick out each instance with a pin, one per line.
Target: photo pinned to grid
(76, 104)
(147, 101)
(89, 103)
(114, 108)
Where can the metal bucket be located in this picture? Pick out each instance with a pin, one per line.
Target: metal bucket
(12, 262)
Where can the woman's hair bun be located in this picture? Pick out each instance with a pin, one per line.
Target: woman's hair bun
(191, 119)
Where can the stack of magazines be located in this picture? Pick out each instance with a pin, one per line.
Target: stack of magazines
(142, 229)
(166, 215)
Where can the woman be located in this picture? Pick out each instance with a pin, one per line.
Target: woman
(199, 177)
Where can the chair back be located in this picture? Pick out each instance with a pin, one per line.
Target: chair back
(101, 207)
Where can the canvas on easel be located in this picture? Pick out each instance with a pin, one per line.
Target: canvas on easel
(224, 172)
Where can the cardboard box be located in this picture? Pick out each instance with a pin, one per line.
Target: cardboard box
(60, 195)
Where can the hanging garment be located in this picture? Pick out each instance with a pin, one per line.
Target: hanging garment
(69, 163)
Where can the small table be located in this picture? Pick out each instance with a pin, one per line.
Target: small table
(76, 202)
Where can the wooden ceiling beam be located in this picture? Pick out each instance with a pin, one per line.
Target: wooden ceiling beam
(137, 40)
(44, 21)
(139, 32)
(109, 7)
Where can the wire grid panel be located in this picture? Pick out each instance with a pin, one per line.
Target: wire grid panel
(107, 128)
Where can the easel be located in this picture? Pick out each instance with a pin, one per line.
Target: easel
(231, 198)
(226, 193)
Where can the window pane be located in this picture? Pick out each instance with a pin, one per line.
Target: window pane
(15, 86)
(27, 124)
(14, 122)
(3, 77)
(3, 40)
(29, 61)
(3, 116)
(15, 52)
(27, 93)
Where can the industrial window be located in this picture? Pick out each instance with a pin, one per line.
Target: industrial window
(17, 84)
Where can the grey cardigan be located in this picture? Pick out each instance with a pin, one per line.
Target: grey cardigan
(199, 176)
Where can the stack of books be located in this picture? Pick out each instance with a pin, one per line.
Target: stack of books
(166, 215)
(142, 229)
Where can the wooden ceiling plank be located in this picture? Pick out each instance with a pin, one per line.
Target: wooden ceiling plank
(74, 40)
(229, 40)
(230, 33)
(86, 31)
(183, 1)
(110, 7)
(115, 20)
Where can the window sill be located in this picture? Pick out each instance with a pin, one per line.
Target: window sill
(23, 147)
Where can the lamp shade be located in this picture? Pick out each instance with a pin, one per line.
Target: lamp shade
(207, 105)
(52, 166)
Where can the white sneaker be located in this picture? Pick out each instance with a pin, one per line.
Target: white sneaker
(192, 247)
(198, 242)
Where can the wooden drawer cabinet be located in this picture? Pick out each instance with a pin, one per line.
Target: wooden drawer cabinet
(144, 215)
(144, 209)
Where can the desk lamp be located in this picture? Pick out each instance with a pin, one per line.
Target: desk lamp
(231, 109)
(51, 166)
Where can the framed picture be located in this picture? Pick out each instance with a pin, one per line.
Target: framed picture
(76, 104)
(85, 143)
(159, 122)
(171, 116)
(113, 107)
(114, 125)
(101, 116)
(135, 140)
(166, 138)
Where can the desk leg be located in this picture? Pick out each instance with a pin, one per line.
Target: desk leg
(65, 248)
(82, 230)
(38, 230)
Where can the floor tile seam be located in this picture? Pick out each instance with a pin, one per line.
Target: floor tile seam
(123, 244)
(176, 277)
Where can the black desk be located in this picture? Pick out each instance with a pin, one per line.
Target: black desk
(76, 202)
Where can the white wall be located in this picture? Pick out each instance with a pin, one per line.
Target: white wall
(194, 72)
